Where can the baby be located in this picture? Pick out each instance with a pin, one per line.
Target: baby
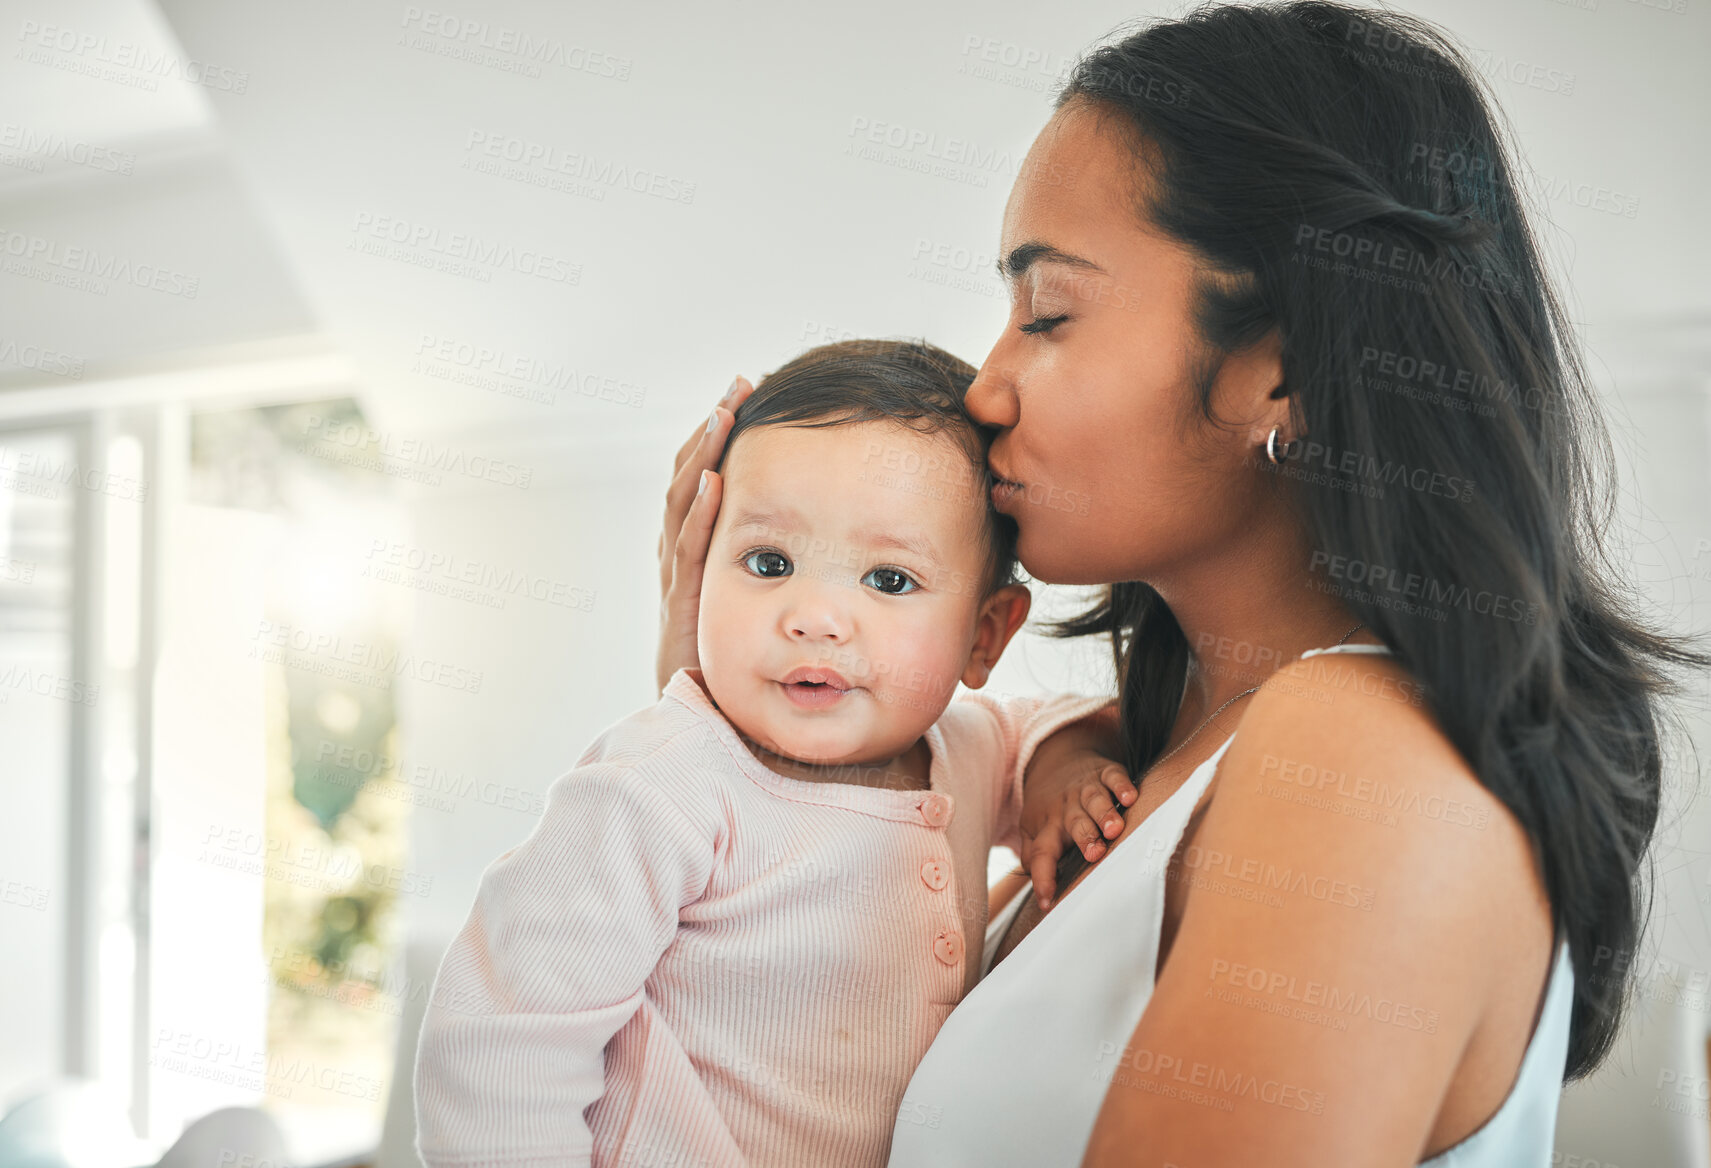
(745, 913)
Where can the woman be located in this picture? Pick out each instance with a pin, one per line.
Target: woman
(1396, 738)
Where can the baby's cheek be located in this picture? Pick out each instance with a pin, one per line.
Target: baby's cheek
(924, 663)
(724, 642)
(708, 623)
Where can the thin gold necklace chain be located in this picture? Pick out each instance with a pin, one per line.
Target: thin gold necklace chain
(1157, 762)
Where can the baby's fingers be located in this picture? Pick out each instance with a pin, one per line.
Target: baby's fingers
(1043, 852)
(1116, 780)
(1083, 828)
(1097, 806)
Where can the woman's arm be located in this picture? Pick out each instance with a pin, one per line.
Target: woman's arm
(689, 513)
(1255, 1047)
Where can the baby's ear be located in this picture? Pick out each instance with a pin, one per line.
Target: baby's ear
(1001, 615)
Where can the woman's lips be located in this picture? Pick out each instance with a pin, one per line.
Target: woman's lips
(1002, 489)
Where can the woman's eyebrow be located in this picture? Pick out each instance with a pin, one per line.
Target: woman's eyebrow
(1029, 254)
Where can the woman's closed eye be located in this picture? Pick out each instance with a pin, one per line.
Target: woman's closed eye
(1042, 324)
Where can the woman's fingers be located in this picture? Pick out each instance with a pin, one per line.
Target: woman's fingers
(700, 452)
(691, 506)
(734, 395)
(680, 495)
(689, 554)
(681, 605)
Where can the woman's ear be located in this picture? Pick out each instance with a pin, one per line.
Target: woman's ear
(1001, 615)
(1250, 387)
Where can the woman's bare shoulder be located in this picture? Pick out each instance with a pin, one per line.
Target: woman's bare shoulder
(1351, 855)
(1346, 749)
(1354, 906)
(1354, 727)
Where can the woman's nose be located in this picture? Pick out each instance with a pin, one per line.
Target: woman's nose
(991, 397)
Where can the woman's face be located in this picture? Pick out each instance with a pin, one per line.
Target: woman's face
(1113, 472)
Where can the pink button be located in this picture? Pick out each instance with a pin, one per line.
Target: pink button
(935, 874)
(948, 948)
(936, 810)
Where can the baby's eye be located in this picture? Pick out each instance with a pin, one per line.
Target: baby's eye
(772, 564)
(890, 581)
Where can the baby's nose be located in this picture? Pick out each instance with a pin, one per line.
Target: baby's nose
(818, 624)
(819, 612)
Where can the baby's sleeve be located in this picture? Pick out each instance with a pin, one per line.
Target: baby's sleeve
(1021, 724)
(549, 965)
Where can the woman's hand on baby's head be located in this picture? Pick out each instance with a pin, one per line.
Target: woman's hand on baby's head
(691, 506)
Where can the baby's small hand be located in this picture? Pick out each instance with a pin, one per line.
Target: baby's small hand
(1071, 796)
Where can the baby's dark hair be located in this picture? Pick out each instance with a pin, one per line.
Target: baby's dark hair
(910, 383)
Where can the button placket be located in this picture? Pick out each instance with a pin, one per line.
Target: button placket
(935, 810)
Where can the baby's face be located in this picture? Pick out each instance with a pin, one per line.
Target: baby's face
(852, 556)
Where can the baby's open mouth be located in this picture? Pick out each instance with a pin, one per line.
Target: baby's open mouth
(812, 687)
(814, 677)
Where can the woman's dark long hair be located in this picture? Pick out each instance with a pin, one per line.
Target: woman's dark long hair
(1339, 173)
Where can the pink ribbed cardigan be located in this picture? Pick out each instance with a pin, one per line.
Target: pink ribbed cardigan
(695, 961)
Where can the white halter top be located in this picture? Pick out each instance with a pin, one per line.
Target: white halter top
(1007, 1080)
